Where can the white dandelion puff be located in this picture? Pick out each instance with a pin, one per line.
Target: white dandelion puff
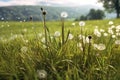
(42, 74)
(110, 23)
(81, 23)
(105, 34)
(101, 46)
(57, 34)
(24, 49)
(117, 42)
(64, 15)
(43, 40)
(70, 36)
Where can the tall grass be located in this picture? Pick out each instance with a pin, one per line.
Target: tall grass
(23, 53)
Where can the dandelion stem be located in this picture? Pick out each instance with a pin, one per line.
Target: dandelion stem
(45, 29)
(63, 41)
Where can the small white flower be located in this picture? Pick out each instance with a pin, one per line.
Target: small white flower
(101, 47)
(102, 30)
(97, 32)
(40, 35)
(110, 31)
(57, 34)
(117, 42)
(24, 49)
(79, 45)
(42, 74)
(25, 30)
(64, 15)
(43, 40)
(70, 36)
(73, 24)
(81, 23)
(113, 36)
(105, 34)
(110, 23)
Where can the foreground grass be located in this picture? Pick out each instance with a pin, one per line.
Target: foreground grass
(24, 55)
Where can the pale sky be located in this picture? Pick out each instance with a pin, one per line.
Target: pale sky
(50, 2)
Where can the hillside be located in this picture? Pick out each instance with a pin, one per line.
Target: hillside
(18, 13)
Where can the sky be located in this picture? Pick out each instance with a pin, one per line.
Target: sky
(50, 2)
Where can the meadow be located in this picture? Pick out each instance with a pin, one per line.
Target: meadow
(60, 50)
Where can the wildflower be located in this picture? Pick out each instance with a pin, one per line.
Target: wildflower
(102, 30)
(117, 42)
(118, 27)
(113, 36)
(42, 74)
(70, 36)
(97, 33)
(40, 35)
(90, 37)
(64, 15)
(73, 24)
(110, 31)
(44, 12)
(105, 34)
(24, 49)
(31, 18)
(25, 30)
(80, 46)
(110, 23)
(81, 37)
(43, 40)
(81, 23)
(57, 34)
(101, 47)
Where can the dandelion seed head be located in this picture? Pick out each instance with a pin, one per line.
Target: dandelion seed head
(24, 49)
(64, 14)
(57, 34)
(110, 23)
(101, 46)
(70, 36)
(105, 34)
(117, 42)
(42, 74)
(81, 23)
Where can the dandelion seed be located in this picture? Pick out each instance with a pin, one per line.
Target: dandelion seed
(57, 34)
(70, 36)
(117, 42)
(110, 23)
(81, 23)
(42, 74)
(24, 49)
(64, 15)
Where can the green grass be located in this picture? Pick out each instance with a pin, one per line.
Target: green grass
(23, 55)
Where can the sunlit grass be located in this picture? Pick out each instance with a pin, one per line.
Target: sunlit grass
(25, 56)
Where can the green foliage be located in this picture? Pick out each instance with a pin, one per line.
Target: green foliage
(111, 5)
(24, 55)
(93, 15)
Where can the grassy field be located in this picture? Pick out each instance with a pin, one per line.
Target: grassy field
(85, 51)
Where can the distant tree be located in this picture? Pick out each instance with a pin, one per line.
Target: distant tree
(111, 5)
(83, 17)
(95, 14)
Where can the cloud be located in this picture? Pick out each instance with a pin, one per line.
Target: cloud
(49, 2)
